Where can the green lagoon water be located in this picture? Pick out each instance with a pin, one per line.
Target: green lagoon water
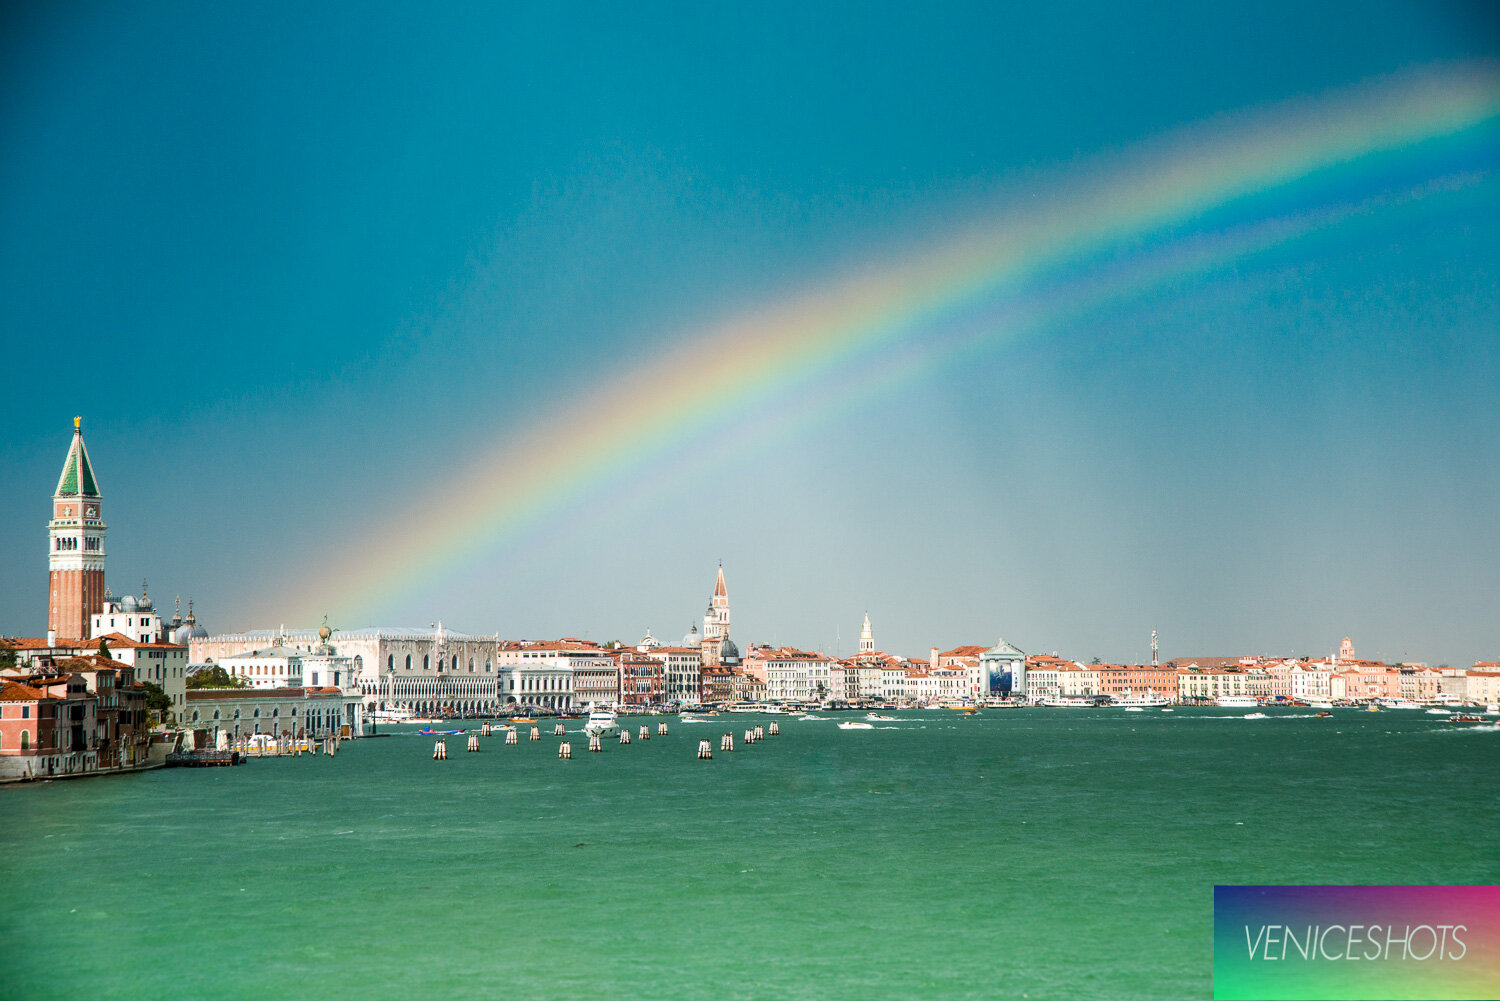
(1022, 853)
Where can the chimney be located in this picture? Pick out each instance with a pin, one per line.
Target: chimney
(52, 637)
(934, 658)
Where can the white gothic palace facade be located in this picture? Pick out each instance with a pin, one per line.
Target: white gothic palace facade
(425, 670)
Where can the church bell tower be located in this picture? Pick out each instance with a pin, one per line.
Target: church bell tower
(75, 557)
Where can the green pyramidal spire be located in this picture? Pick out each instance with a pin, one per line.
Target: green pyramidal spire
(78, 473)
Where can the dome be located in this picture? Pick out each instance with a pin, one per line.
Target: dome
(729, 654)
(144, 605)
(128, 604)
(648, 642)
(692, 639)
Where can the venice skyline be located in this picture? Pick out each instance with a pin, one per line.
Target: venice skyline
(528, 325)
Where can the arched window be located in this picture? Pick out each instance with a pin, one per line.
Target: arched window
(408, 662)
(195, 715)
(455, 662)
(257, 712)
(486, 666)
(25, 739)
(471, 665)
(390, 662)
(426, 663)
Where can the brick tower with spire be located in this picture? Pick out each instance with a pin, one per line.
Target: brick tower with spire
(716, 621)
(75, 556)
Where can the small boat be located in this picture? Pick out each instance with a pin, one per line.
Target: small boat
(1372, 707)
(428, 731)
(1437, 712)
(1134, 709)
(880, 718)
(1324, 713)
(1492, 710)
(1255, 716)
(971, 712)
(1466, 718)
(1166, 710)
(856, 726)
(1398, 704)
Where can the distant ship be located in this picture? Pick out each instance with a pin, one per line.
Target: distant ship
(1150, 700)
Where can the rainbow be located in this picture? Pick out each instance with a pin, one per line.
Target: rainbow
(731, 371)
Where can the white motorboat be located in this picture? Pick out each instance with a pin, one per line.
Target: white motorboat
(1255, 715)
(1145, 700)
(856, 726)
(1237, 701)
(1398, 704)
(602, 723)
(1134, 709)
(394, 714)
(880, 718)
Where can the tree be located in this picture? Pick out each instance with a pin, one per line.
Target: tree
(104, 649)
(1094, 661)
(214, 676)
(156, 699)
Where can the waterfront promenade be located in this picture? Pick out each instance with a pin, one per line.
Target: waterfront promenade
(1027, 852)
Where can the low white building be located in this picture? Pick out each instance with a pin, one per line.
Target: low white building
(792, 675)
(541, 672)
(280, 667)
(298, 712)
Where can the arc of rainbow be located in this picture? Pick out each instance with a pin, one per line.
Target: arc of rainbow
(731, 369)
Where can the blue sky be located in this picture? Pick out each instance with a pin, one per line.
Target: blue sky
(294, 267)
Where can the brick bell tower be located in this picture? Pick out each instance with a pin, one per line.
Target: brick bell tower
(75, 557)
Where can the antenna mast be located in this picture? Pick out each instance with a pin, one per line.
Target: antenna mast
(1154, 662)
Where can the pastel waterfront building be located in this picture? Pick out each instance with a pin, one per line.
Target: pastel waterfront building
(683, 668)
(75, 552)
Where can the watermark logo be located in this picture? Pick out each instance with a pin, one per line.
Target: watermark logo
(1356, 943)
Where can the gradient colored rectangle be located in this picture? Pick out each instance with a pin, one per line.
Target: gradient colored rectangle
(1356, 943)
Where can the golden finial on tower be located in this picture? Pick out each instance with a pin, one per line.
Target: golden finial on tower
(78, 424)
